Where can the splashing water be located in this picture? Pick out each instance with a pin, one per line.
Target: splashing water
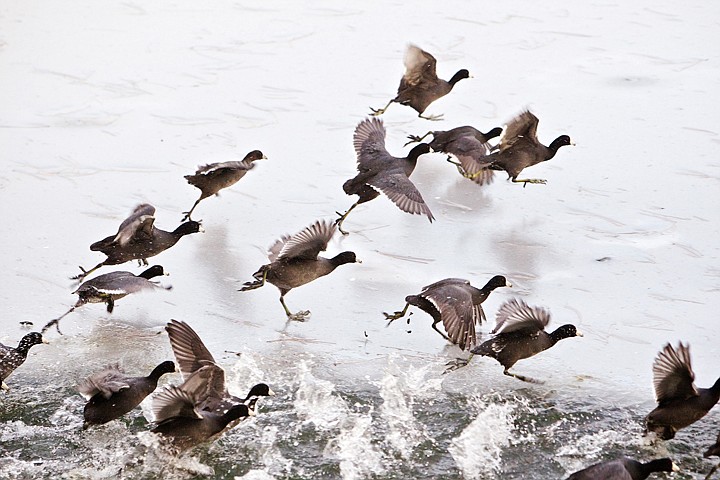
(353, 447)
(315, 402)
(398, 390)
(478, 449)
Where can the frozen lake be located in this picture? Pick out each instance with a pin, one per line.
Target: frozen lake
(103, 107)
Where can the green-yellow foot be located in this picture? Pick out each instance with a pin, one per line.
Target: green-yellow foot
(433, 118)
(525, 181)
(396, 315)
(300, 316)
(416, 138)
(453, 365)
(522, 377)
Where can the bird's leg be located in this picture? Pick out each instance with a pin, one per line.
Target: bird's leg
(379, 111)
(472, 176)
(56, 321)
(434, 118)
(85, 273)
(416, 138)
(521, 377)
(457, 164)
(525, 181)
(464, 172)
(110, 304)
(434, 326)
(712, 471)
(300, 316)
(187, 214)
(343, 216)
(396, 315)
(453, 365)
(259, 282)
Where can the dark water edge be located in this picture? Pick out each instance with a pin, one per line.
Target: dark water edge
(317, 429)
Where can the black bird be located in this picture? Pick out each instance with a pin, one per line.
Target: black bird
(184, 425)
(111, 393)
(713, 451)
(294, 261)
(420, 85)
(212, 178)
(380, 171)
(624, 468)
(202, 376)
(12, 358)
(456, 303)
(469, 145)
(680, 402)
(138, 239)
(519, 333)
(520, 148)
(109, 287)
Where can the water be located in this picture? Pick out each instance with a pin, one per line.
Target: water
(105, 107)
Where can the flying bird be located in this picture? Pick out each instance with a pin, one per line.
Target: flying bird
(420, 85)
(381, 172)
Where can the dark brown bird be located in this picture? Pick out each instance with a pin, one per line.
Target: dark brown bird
(380, 171)
(420, 85)
(520, 148)
(201, 374)
(111, 393)
(212, 178)
(203, 378)
(294, 261)
(455, 303)
(519, 333)
(138, 239)
(181, 422)
(680, 402)
(624, 468)
(469, 145)
(11, 358)
(110, 287)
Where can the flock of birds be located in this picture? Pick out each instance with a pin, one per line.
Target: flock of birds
(201, 408)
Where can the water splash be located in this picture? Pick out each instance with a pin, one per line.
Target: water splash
(315, 402)
(353, 447)
(478, 449)
(274, 461)
(593, 444)
(399, 388)
(256, 475)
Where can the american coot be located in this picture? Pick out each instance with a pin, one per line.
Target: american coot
(624, 468)
(183, 425)
(469, 145)
(138, 239)
(520, 148)
(202, 376)
(212, 178)
(111, 394)
(381, 171)
(680, 402)
(108, 288)
(519, 333)
(456, 303)
(713, 451)
(420, 85)
(12, 358)
(294, 261)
